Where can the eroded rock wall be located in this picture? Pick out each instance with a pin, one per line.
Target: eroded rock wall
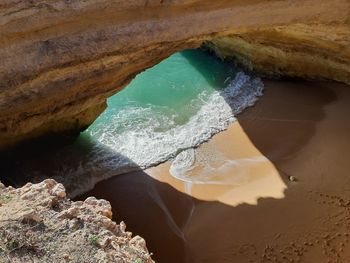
(60, 60)
(311, 51)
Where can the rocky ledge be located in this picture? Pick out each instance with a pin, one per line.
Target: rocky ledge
(60, 60)
(39, 224)
(309, 51)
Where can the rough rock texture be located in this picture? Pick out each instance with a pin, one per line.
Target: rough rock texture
(315, 51)
(39, 224)
(60, 60)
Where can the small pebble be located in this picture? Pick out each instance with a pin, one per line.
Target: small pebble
(292, 178)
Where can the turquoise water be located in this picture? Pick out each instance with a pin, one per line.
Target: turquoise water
(174, 89)
(173, 107)
(163, 114)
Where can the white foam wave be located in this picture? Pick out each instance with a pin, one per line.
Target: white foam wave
(216, 174)
(146, 146)
(148, 137)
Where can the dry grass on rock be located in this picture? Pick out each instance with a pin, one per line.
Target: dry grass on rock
(39, 224)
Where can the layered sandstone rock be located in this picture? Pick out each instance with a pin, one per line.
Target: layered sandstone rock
(314, 51)
(39, 224)
(60, 60)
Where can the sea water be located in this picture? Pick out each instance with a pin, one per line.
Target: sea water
(174, 106)
(163, 114)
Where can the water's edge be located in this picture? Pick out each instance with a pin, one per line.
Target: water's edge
(164, 112)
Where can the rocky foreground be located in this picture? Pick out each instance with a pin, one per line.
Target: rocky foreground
(39, 224)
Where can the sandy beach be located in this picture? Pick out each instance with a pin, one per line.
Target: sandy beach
(278, 186)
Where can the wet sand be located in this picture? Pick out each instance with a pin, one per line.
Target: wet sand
(251, 211)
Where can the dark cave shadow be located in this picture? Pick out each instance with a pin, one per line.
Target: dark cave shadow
(287, 114)
(78, 164)
(154, 210)
(207, 70)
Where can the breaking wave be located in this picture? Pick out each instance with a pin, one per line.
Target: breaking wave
(153, 137)
(140, 131)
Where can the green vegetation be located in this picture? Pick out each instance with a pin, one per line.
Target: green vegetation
(12, 245)
(93, 239)
(5, 199)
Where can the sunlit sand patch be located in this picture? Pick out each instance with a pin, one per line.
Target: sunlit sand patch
(228, 168)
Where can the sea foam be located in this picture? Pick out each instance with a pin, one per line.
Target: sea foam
(146, 145)
(140, 137)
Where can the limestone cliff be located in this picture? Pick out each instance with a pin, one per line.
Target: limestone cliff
(39, 224)
(314, 51)
(60, 60)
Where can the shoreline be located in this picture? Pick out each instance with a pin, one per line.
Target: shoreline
(300, 129)
(224, 158)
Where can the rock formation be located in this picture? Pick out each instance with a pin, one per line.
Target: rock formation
(60, 60)
(315, 51)
(38, 223)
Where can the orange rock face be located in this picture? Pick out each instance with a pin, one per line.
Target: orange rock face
(60, 60)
